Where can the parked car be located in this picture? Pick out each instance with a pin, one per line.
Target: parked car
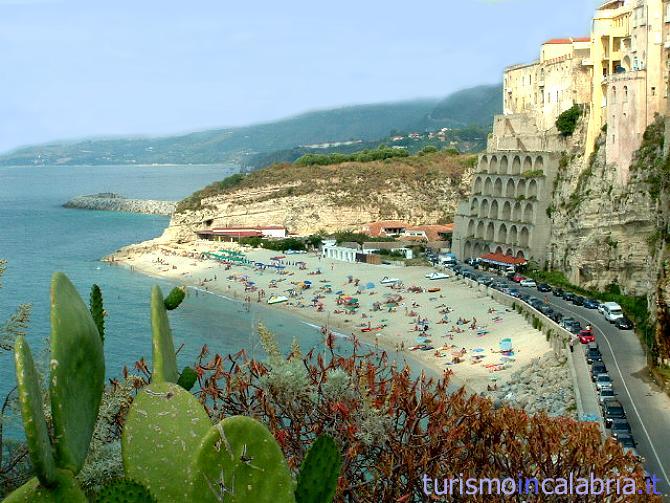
(558, 292)
(518, 278)
(593, 354)
(514, 292)
(591, 304)
(629, 445)
(612, 311)
(586, 336)
(606, 394)
(603, 381)
(597, 368)
(619, 427)
(623, 323)
(557, 316)
(530, 283)
(535, 302)
(578, 301)
(612, 409)
(543, 287)
(568, 296)
(572, 326)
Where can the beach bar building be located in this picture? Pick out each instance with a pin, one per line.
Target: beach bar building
(229, 234)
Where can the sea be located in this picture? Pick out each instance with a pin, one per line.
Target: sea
(38, 237)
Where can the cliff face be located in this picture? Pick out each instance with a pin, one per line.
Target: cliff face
(310, 199)
(605, 231)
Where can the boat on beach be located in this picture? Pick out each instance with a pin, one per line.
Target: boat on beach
(436, 275)
(277, 299)
(389, 281)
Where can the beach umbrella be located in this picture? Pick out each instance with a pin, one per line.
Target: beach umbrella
(370, 285)
(339, 292)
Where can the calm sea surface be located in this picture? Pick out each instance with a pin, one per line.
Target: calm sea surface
(38, 237)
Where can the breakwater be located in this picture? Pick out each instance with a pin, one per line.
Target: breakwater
(109, 201)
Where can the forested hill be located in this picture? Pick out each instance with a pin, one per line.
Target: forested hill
(232, 146)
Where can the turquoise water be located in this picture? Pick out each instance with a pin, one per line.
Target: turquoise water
(38, 237)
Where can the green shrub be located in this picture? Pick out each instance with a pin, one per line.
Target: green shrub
(567, 121)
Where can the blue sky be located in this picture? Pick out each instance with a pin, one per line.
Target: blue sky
(72, 69)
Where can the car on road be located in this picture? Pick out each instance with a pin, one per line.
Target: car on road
(586, 336)
(568, 296)
(535, 302)
(597, 367)
(578, 301)
(591, 304)
(603, 381)
(606, 394)
(483, 280)
(514, 292)
(543, 287)
(571, 325)
(619, 427)
(518, 278)
(623, 323)
(612, 409)
(527, 282)
(557, 317)
(558, 292)
(612, 311)
(593, 354)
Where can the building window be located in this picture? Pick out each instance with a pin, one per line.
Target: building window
(653, 91)
(625, 94)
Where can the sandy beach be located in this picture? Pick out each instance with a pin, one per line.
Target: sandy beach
(444, 323)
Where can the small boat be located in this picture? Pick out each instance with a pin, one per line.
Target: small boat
(436, 275)
(277, 299)
(389, 281)
(433, 290)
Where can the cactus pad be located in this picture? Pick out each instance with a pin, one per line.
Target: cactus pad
(124, 491)
(34, 423)
(97, 310)
(164, 356)
(240, 461)
(187, 378)
(65, 489)
(320, 470)
(77, 374)
(174, 298)
(164, 428)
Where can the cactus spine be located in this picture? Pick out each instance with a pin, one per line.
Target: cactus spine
(164, 356)
(320, 470)
(239, 461)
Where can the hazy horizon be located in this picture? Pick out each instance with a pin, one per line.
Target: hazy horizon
(76, 70)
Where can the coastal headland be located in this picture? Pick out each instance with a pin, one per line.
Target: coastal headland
(108, 201)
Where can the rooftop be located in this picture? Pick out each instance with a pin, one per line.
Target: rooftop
(569, 40)
(499, 258)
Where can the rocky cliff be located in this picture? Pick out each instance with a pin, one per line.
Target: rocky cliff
(311, 199)
(116, 202)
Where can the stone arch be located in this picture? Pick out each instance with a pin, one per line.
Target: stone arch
(488, 186)
(527, 164)
(504, 163)
(471, 228)
(490, 232)
(521, 188)
(480, 230)
(467, 250)
(477, 249)
(493, 213)
(509, 190)
(520, 254)
(499, 250)
(524, 237)
(493, 165)
(516, 212)
(498, 187)
(516, 165)
(528, 213)
(513, 236)
(539, 163)
(484, 209)
(506, 211)
(502, 233)
(509, 252)
(483, 164)
(474, 206)
(478, 185)
(532, 188)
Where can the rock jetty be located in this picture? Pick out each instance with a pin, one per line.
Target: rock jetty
(109, 201)
(544, 385)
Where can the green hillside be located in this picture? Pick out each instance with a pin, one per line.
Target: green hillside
(364, 123)
(470, 107)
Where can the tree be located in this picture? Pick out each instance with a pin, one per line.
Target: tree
(567, 121)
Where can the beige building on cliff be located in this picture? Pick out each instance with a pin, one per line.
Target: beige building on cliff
(618, 75)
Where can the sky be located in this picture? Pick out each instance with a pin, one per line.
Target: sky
(72, 69)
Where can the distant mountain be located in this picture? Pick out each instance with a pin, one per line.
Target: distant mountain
(234, 145)
(470, 107)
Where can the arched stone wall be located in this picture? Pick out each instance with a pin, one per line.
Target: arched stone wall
(490, 232)
(506, 211)
(488, 186)
(478, 185)
(516, 165)
(484, 209)
(509, 189)
(493, 212)
(502, 233)
(528, 213)
(503, 166)
(532, 189)
(516, 212)
(483, 164)
(524, 237)
(527, 164)
(498, 188)
(521, 188)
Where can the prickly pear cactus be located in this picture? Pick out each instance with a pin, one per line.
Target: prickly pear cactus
(174, 298)
(163, 430)
(124, 491)
(34, 423)
(187, 378)
(97, 310)
(77, 374)
(164, 356)
(239, 461)
(65, 489)
(320, 470)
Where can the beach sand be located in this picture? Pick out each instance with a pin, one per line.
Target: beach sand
(471, 350)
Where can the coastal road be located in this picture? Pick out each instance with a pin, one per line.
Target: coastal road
(647, 406)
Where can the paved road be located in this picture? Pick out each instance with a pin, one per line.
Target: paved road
(647, 406)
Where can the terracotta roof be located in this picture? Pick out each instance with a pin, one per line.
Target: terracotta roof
(504, 259)
(569, 40)
(230, 232)
(251, 227)
(433, 231)
(375, 228)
